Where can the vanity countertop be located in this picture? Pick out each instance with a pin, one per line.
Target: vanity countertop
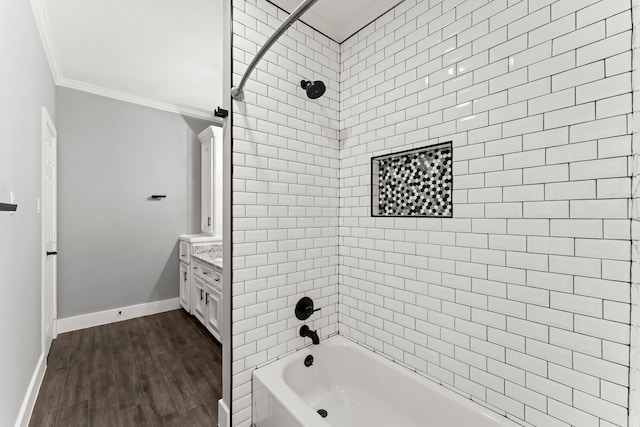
(211, 259)
(199, 238)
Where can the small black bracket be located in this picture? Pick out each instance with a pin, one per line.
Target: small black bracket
(158, 196)
(221, 112)
(6, 207)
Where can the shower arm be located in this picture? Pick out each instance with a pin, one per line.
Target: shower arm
(237, 93)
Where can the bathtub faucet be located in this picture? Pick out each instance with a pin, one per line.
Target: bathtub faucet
(306, 332)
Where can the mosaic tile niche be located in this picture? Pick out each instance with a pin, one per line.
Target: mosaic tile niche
(417, 182)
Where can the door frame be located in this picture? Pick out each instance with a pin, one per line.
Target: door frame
(47, 127)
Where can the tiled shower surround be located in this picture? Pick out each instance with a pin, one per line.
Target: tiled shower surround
(285, 192)
(521, 301)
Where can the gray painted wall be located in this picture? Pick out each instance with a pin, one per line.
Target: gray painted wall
(26, 86)
(116, 247)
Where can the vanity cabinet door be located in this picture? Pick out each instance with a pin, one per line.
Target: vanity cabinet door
(206, 215)
(185, 286)
(213, 301)
(211, 174)
(199, 299)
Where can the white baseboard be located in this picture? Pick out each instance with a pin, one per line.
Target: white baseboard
(90, 320)
(223, 414)
(24, 416)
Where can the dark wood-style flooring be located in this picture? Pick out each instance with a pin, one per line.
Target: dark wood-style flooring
(160, 370)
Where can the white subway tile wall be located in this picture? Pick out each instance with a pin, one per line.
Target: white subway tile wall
(521, 301)
(285, 192)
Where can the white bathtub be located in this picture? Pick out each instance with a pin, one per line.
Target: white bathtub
(357, 388)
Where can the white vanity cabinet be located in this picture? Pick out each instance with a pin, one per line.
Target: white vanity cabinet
(200, 282)
(186, 243)
(208, 303)
(211, 187)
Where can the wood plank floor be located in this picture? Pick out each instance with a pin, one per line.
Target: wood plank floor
(160, 370)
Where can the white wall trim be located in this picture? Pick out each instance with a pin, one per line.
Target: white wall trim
(42, 22)
(84, 321)
(227, 216)
(634, 356)
(223, 414)
(24, 416)
(138, 100)
(48, 126)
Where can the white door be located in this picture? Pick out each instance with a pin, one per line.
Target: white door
(49, 229)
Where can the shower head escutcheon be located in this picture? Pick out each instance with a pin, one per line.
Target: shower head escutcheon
(314, 89)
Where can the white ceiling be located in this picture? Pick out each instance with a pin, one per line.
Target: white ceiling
(165, 54)
(339, 19)
(162, 53)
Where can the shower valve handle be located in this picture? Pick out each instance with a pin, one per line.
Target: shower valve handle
(304, 308)
(310, 310)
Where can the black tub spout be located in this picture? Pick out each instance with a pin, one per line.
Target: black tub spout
(306, 332)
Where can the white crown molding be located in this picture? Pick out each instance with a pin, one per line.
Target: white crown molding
(42, 22)
(139, 100)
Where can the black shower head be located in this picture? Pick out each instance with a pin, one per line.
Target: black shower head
(315, 89)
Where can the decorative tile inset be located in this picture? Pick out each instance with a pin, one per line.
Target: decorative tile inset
(417, 182)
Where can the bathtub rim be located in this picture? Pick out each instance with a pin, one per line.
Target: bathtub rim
(273, 373)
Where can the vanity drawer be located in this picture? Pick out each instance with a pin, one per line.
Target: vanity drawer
(203, 271)
(208, 274)
(184, 251)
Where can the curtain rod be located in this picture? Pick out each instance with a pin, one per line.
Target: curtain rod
(237, 93)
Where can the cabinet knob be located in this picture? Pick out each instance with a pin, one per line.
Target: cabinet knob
(206, 302)
(185, 276)
(209, 221)
(201, 294)
(217, 280)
